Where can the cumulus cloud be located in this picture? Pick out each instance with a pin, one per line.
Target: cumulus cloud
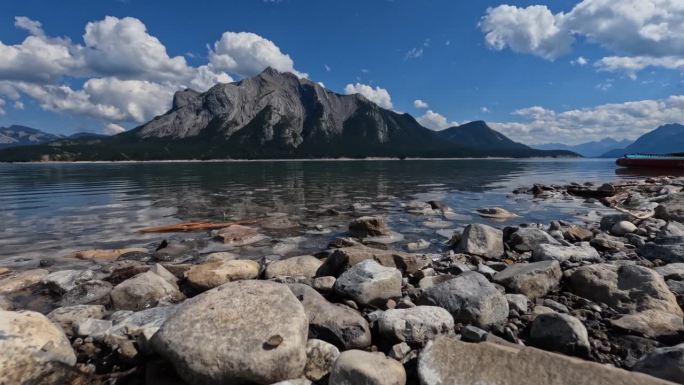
(642, 32)
(618, 120)
(580, 61)
(2, 106)
(18, 105)
(435, 121)
(377, 95)
(113, 129)
(420, 104)
(32, 26)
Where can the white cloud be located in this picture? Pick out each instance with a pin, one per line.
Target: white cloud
(435, 121)
(485, 110)
(580, 61)
(414, 53)
(33, 27)
(113, 129)
(378, 95)
(18, 105)
(420, 104)
(2, 107)
(327, 68)
(617, 120)
(642, 32)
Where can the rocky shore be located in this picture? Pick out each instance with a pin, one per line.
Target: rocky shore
(502, 302)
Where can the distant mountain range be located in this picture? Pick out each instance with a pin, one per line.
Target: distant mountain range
(588, 149)
(13, 136)
(278, 115)
(663, 140)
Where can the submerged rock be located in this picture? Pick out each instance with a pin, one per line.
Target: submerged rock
(369, 226)
(496, 213)
(102, 255)
(237, 235)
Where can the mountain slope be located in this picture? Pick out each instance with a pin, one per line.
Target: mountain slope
(588, 149)
(665, 139)
(15, 135)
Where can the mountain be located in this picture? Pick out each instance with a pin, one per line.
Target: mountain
(588, 149)
(271, 115)
(665, 139)
(15, 135)
(479, 135)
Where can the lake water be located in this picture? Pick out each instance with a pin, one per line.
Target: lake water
(48, 210)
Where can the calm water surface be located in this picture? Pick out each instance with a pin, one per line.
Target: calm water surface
(48, 210)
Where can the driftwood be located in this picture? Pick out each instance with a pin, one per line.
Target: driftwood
(195, 226)
(640, 216)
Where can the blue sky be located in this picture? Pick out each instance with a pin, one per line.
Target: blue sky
(517, 67)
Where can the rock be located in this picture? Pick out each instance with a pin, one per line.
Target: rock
(446, 360)
(369, 283)
(303, 266)
(608, 221)
(496, 213)
(60, 282)
(623, 227)
(257, 330)
(9, 283)
(470, 298)
(666, 363)
(429, 282)
(324, 284)
(237, 235)
(421, 244)
(93, 292)
(669, 250)
(605, 242)
(672, 271)
(626, 288)
(399, 351)
(416, 325)
(471, 333)
(531, 279)
(578, 253)
(34, 350)
(336, 324)
(343, 258)
(165, 274)
(278, 222)
(369, 226)
(119, 271)
(142, 325)
(298, 381)
(143, 291)
(671, 229)
(527, 238)
(482, 240)
(69, 316)
(5, 304)
(672, 208)
(560, 332)
(212, 274)
(651, 324)
(320, 357)
(364, 368)
(555, 306)
(101, 255)
(91, 327)
(517, 302)
(577, 234)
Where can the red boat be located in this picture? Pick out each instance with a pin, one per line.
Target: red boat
(671, 161)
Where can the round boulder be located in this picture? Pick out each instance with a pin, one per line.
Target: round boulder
(415, 325)
(364, 368)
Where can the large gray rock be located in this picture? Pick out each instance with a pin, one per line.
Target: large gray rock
(370, 226)
(338, 324)
(256, 330)
(369, 283)
(669, 249)
(93, 292)
(527, 238)
(672, 208)
(320, 357)
(531, 279)
(651, 324)
(447, 361)
(470, 298)
(34, 350)
(363, 368)
(143, 291)
(13, 282)
(560, 332)
(666, 363)
(213, 274)
(68, 316)
(142, 325)
(626, 288)
(343, 258)
(415, 325)
(672, 271)
(60, 282)
(302, 266)
(482, 240)
(578, 253)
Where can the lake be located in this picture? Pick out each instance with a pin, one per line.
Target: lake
(49, 210)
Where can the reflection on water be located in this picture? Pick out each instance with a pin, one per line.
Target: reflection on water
(47, 209)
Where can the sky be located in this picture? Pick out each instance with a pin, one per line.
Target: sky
(539, 71)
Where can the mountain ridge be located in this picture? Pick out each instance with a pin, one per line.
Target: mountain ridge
(18, 135)
(665, 139)
(588, 149)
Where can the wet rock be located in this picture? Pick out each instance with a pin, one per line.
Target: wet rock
(416, 325)
(666, 363)
(69, 316)
(578, 253)
(369, 226)
(626, 288)
(527, 238)
(369, 282)
(93, 292)
(336, 324)
(672, 208)
(343, 258)
(651, 324)
(278, 222)
(669, 250)
(446, 360)
(517, 302)
(143, 291)
(577, 234)
(672, 271)
(560, 332)
(623, 227)
(10, 283)
(257, 330)
(302, 266)
(34, 350)
(482, 240)
(320, 357)
(364, 368)
(60, 282)
(531, 279)
(496, 213)
(237, 235)
(469, 297)
(102, 255)
(212, 274)
(421, 244)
